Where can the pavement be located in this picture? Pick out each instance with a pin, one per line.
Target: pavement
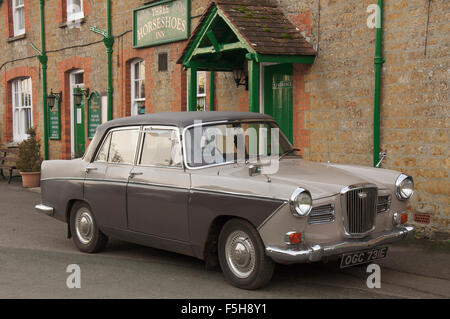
(35, 253)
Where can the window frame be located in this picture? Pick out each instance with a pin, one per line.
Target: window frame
(106, 136)
(74, 16)
(142, 140)
(16, 30)
(17, 135)
(133, 107)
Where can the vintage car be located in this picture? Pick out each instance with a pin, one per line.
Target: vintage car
(177, 181)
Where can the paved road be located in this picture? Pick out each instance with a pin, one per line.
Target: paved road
(34, 254)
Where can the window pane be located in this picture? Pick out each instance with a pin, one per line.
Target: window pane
(162, 148)
(74, 6)
(102, 155)
(123, 147)
(79, 78)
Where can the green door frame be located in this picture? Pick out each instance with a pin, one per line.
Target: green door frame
(79, 127)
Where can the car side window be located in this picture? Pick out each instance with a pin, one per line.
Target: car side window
(161, 147)
(122, 148)
(102, 155)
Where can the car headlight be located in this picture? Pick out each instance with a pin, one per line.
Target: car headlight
(300, 202)
(404, 187)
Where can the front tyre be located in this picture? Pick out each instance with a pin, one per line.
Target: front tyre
(242, 256)
(85, 232)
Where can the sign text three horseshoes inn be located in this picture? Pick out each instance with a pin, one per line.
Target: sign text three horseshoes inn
(161, 22)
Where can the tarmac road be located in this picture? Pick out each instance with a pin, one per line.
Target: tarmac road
(34, 255)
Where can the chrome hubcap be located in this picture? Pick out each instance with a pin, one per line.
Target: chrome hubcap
(84, 226)
(240, 254)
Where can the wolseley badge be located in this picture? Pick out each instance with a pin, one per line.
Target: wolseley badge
(362, 195)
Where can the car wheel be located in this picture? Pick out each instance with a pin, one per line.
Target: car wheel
(242, 256)
(85, 232)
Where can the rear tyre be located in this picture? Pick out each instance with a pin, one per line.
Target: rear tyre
(242, 256)
(86, 235)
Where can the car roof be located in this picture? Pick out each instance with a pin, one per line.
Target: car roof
(183, 119)
(178, 119)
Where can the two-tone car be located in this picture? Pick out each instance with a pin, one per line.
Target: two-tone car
(225, 187)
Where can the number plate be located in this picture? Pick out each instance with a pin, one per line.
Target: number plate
(363, 257)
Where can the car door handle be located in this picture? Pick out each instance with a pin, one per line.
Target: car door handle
(88, 169)
(133, 174)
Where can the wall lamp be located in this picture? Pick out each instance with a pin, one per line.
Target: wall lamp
(52, 98)
(240, 78)
(78, 95)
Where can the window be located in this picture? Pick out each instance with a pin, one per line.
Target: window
(22, 108)
(138, 87)
(201, 91)
(162, 62)
(102, 155)
(161, 148)
(18, 17)
(227, 143)
(74, 10)
(119, 147)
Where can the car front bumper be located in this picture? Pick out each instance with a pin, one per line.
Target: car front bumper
(318, 252)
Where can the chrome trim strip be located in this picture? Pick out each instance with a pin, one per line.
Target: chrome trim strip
(317, 252)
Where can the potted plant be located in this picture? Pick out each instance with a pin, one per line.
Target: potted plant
(29, 160)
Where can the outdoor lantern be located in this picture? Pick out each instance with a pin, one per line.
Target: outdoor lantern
(78, 95)
(239, 75)
(52, 98)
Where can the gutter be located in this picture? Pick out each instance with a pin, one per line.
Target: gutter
(379, 60)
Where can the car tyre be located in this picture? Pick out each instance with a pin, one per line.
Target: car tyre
(87, 236)
(242, 256)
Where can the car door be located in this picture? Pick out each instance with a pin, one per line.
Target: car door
(107, 177)
(157, 194)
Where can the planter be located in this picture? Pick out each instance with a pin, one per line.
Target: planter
(31, 180)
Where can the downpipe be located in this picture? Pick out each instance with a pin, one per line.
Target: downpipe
(379, 60)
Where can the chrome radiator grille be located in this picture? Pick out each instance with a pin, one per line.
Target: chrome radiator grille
(359, 210)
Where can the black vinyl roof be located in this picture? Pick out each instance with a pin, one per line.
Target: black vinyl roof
(182, 119)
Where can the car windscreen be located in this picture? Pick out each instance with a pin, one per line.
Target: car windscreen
(228, 143)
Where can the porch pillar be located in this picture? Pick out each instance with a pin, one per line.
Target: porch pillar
(253, 86)
(192, 88)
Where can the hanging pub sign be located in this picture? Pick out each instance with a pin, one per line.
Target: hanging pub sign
(161, 22)
(54, 122)
(94, 114)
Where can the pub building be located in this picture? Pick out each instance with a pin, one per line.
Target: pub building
(315, 66)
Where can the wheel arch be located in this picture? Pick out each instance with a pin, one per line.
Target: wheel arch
(210, 247)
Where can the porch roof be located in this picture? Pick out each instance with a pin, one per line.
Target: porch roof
(263, 28)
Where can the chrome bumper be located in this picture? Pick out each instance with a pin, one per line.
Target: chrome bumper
(45, 209)
(318, 252)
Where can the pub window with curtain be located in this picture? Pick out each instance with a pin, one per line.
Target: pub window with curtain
(138, 87)
(22, 108)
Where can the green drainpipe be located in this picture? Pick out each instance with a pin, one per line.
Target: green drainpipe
(109, 42)
(43, 58)
(379, 60)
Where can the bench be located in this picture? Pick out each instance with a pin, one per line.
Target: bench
(8, 157)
